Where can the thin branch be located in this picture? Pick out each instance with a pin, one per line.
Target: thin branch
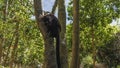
(54, 6)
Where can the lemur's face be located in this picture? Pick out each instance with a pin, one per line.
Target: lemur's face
(46, 19)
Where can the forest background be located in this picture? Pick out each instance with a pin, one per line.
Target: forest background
(22, 44)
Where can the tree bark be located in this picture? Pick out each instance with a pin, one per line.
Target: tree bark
(62, 20)
(1, 44)
(2, 41)
(54, 6)
(49, 52)
(75, 35)
(50, 57)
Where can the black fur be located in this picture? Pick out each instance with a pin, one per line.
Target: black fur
(53, 30)
(52, 24)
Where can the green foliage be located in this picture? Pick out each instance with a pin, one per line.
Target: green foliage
(3, 67)
(69, 36)
(97, 12)
(95, 16)
(30, 45)
(109, 53)
(103, 34)
(87, 61)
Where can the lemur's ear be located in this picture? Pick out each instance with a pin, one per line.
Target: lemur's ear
(43, 13)
(40, 16)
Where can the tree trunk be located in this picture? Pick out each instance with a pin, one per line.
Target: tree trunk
(0, 50)
(5, 9)
(93, 46)
(62, 20)
(54, 6)
(49, 53)
(8, 50)
(75, 35)
(15, 45)
(50, 57)
(1, 42)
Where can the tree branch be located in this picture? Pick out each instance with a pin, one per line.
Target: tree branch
(54, 6)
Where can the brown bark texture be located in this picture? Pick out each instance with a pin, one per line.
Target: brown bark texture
(75, 35)
(62, 20)
(54, 6)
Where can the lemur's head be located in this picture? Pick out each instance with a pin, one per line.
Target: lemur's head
(46, 18)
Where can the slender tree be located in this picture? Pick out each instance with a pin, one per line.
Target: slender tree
(93, 46)
(75, 35)
(2, 40)
(0, 48)
(15, 45)
(62, 20)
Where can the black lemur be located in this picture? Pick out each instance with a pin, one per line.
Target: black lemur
(53, 30)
